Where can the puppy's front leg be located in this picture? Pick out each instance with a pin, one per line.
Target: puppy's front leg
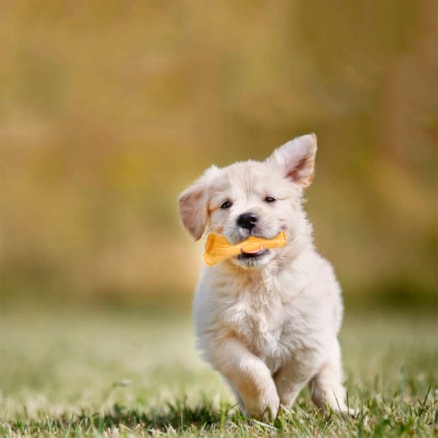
(292, 378)
(249, 377)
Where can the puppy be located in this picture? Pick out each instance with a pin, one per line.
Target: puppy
(267, 321)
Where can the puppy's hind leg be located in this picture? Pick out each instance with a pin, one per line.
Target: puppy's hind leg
(327, 385)
(249, 377)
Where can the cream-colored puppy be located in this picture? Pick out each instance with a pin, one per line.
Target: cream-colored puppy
(267, 321)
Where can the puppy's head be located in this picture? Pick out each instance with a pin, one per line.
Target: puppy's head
(254, 199)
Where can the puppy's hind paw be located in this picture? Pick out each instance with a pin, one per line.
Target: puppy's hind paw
(353, 413)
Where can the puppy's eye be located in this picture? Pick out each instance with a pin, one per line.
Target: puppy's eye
(269, 199)
(226, 204)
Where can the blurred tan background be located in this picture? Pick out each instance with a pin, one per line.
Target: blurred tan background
(108, 109)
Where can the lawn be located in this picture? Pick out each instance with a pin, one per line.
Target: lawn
(136, 374)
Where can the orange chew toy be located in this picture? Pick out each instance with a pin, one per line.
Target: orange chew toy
(217, 247)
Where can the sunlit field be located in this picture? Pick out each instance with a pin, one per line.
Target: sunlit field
(109, 110)
(105, 374)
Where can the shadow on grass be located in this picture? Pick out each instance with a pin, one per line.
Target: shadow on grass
(177, 417)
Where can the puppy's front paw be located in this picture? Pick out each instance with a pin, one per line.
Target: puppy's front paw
(263, 407)
(353, 413)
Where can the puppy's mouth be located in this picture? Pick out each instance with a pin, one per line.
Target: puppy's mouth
(252, 255)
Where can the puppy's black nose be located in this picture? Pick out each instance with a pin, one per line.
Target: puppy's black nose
(247, 220)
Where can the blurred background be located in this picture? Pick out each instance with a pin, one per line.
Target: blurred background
(109, 109)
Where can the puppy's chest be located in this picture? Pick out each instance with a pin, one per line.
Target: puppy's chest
(262, 324)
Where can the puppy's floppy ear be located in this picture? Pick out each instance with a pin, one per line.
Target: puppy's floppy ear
(297, 159)
(193, 204)
(193, 209)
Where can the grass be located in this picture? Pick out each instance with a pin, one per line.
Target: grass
(106, 374)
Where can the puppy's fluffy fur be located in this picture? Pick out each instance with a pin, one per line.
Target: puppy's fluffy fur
(267, 322)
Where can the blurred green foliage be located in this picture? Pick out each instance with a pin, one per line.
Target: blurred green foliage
(109, 109)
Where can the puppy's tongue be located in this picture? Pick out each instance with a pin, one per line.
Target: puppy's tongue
(255, 252)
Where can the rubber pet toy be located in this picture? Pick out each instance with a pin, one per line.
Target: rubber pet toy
(217, 247)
